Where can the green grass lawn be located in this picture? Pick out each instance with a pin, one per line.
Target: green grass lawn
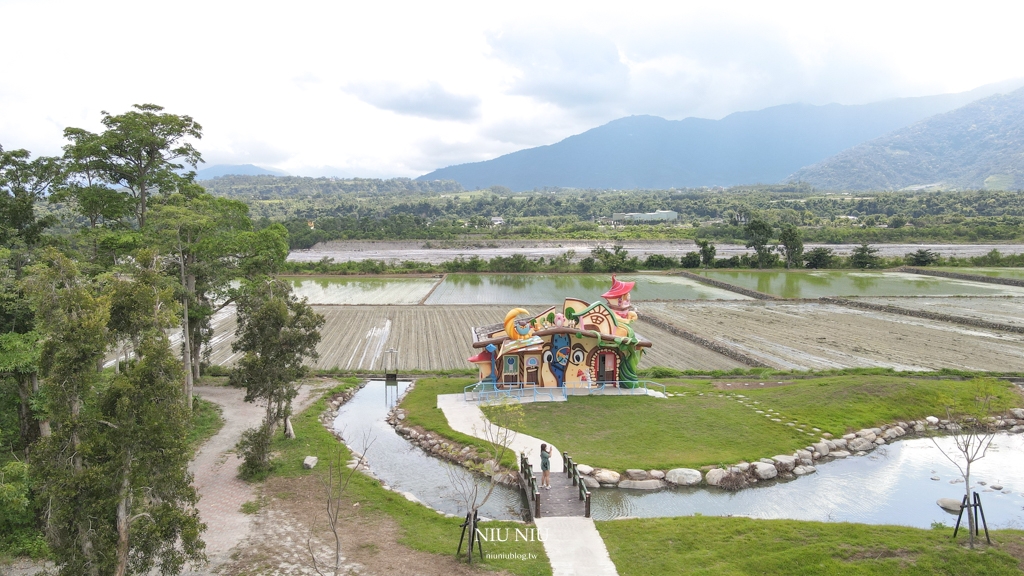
(421, 410)
(707, 426)
(423, 528)
(722, 546)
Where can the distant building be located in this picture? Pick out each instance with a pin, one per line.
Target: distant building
(646, 217)
(497, 221)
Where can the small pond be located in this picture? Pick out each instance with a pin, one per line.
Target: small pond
(892, 485)
(528, 289)
(405, 467)
(818, 283)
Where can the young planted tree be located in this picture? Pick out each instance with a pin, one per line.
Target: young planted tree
(820, 257)
(864, 256)
(971, 430)
(276, 333)
(499, 430)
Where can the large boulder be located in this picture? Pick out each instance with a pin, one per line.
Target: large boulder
(656, 474)
(683, 476)
(584, 469)
(934, 421)
(641, 484)
(765, 471)
(949, 504)
(715, 476)
(590, 482)
(635, 474)
(310, 462)
(861, 445)
(840, 444)
(1018, 413)
(606, 476)
(784, 463)
(821, 448)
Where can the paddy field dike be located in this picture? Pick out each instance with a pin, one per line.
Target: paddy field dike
(783, 320)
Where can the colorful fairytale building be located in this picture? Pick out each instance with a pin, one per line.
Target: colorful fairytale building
(580, 345)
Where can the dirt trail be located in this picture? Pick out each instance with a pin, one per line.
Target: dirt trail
(221, 492)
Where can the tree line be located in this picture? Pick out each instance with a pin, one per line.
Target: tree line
(104, 251)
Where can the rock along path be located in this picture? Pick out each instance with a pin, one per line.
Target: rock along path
(215, 470)
(573, 544)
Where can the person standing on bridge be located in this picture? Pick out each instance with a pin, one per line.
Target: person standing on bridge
(545, 466)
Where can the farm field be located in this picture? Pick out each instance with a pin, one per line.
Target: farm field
(818, 283)
(1015, 273)
(431, 338)
(812, 336)
(547, 289)
(998, 309)
(341, 290)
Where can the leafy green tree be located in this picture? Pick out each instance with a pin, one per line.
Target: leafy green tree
(864, 256)
(690, 260)
(820, 257)
(615, 260)
(791, 245)
(140, 151)
(276, 333)
(73, 318)
(759, 234)
(660, 262)
(149, 518)
(707, 253)
(897, 221)
(23, 182)
(922, 257)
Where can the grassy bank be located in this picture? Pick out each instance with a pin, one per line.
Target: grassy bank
(206, 421)
(704, 425)
(721, 546)
(423, 529)
(421, 410)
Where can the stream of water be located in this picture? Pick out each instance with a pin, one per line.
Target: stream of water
(892, 485)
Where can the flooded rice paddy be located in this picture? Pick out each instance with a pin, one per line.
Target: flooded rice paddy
(819, 283)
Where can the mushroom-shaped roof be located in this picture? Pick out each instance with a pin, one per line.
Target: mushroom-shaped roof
(483, 356)
(618, 288)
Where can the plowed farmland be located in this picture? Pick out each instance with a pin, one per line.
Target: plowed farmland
(1002, 310)
(820, 336)
(440, 338)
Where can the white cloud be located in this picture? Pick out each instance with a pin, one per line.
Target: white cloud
(400, 88)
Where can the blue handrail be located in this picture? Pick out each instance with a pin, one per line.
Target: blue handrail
(488, 391)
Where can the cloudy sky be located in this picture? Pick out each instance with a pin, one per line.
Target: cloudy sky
(379, 89)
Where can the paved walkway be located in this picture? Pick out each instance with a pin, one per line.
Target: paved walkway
(215, 470)
(466, 417)
(573, 544)
(574, 547)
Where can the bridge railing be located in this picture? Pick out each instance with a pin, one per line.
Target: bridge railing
(572, 471)
(487, 391)
(529, 483)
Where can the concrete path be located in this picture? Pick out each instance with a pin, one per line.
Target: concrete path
(574, 547)
(215, 470)
(466, 417)
(573, 544)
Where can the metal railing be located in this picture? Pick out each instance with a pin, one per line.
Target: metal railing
(487, 391)
(572, 471)
(529, 483)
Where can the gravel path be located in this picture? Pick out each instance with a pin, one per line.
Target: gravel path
(221, 492)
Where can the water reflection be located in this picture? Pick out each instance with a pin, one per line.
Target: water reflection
(818, 283)
(405, 467)
(890, 486)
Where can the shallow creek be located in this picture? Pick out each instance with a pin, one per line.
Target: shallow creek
(891, 485)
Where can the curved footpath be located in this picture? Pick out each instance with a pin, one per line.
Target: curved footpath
(573, 544)
(215, 470)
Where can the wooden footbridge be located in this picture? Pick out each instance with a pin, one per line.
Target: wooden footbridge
(568, 496)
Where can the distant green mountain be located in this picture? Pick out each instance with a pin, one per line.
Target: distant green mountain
(980, 145)
(218, 170)
(764, 146)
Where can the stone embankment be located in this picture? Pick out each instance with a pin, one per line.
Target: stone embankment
(726, 286)
(783, 466)
(963, 320)
(962, 276)
(701, 341)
